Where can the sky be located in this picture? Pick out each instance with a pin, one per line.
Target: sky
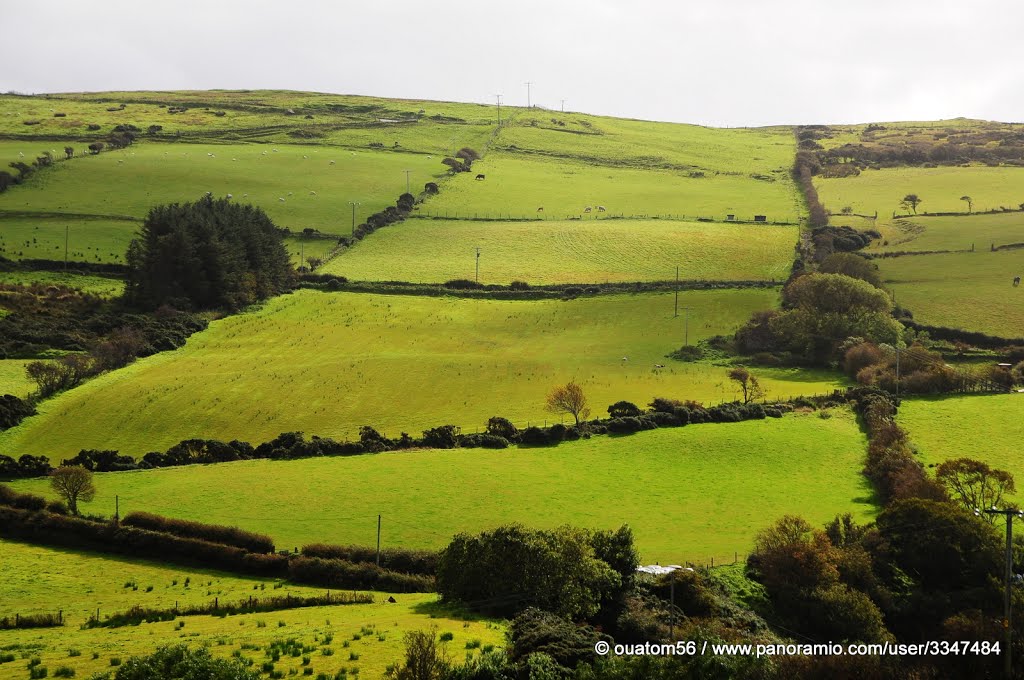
(723, 63)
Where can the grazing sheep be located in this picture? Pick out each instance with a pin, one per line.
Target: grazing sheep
(229, 196)
(331, 163)
(289, 193)
(587, 209)
(312, 193)
(245, 195)
(600, 208)
(281, 198)
(306, 157)
(540, 209)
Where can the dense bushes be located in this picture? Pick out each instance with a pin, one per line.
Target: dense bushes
(332, 573)
(25, 466)
(214, 533)
(211, 253)
(12, 411)
(423, 562)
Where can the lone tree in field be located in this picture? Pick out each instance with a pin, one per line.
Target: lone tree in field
(975, 484)
(970, 203)
(73, 484)
(747, 383)
(910, 202)
(568, 399)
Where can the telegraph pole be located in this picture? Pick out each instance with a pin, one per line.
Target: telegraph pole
(528, 105)
(407, 181)
(478, 264)
(1009, 514)
(353, 204)
(499, 109)
(378, 540)
(676, 314)
(117, 510)
(563, 106)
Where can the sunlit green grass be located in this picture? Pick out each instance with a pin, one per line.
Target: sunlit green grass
(97, 285)
(516, 185)
(973, 291)
(45, 580)
(689, 493)
(43, 238)
(13, 379)
(591, 251)
(939, 188)
(328, 363)
(987, 428)
(953, 233)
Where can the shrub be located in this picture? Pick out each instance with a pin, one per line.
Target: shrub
(486, 441)
(533, 436)
(502, 427)
(519, 285)
(462, 284)
(623, 409)
(665, 405)
(214, 533)
(442, 437)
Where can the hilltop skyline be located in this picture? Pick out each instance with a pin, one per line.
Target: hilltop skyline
(737, 64)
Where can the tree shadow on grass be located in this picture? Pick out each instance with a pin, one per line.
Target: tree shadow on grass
(437, 609)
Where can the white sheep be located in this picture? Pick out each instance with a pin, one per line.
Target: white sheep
(312, 193)
(280, 198)
(229, 196)
(331, 163)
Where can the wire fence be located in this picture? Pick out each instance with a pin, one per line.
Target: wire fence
(594, 215)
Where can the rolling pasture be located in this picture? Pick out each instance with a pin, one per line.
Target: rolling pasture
(97, 285)
(973, 291)
(985, 427)
(13, 379)
(688, 493)
(940, 189)
(315, 192)
(367, 637)
(328, 363)
(584, 251)
(952, 232)
(517, 185)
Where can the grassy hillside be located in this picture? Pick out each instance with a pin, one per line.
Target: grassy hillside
(987, 428)
(952, 232)
(328, 363)
(97, 285)
(689, 493)
(939, 188)
(364, 637)
(516, 185)
(13, 379)
(962, 290)
(591, 251)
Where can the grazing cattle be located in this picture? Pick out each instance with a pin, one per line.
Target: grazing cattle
(587, 209)
(540, 209)
(659, 365)
(481, 177)
(1016, 281)
(600, 208)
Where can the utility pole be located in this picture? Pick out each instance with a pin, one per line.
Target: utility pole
(407, 181)
(378, 540)
(302, 254)
(1009, 514)
(353, 204)
(528, 104)
(676, 313)
(499, 109)
(117, 510)
(686, 325)
(563, 106)
(478, 264)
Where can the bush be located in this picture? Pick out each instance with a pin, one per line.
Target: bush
(214, 533)
(486, 441)
(332, 573)
(462, 284)
(624, 409)
(519, 285)
(533, 436)
(502, 427)
(24, 501)
(394, 559)
(443, 437)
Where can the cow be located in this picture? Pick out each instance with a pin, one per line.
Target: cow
(587, 209)
(540, 209)
(481, 177)
(600, 208)
(1016, 282)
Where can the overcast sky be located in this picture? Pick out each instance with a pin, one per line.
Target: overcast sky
(713, 62)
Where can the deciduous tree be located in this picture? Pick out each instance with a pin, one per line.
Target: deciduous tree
(569, 399)
(975, 484)
(73, 483)
(910, 202)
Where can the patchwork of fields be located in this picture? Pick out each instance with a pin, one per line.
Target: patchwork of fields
(328, 363)
(690, 493)
(590, 251)
(363, 638)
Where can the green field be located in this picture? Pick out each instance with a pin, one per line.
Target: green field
(517, 185)
(939, 188)
(647, 144)
(328, 363)
(987, 428)
(952, 233)
(97, 285)
(130, 181)
(591, 251)
(973, 291)
(40, 579)
(689, 493)
(88, 240)
(13, 379)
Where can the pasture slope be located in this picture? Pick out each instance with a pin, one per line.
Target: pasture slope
(363, 639)
(590, 251)
(690, 493)
(328, 363)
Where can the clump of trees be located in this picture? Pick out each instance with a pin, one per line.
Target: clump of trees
(207, 254)
(462, 161)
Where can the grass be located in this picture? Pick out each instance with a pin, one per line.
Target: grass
(130, 181)
(327, 363)
(939, 188)
(97, 285)
(589, 251)
(80, 582)
(987, 428)
(973, 291)
(953, 233)
(89, 240)
(517, 185)
(13, 379)
(688, 493)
